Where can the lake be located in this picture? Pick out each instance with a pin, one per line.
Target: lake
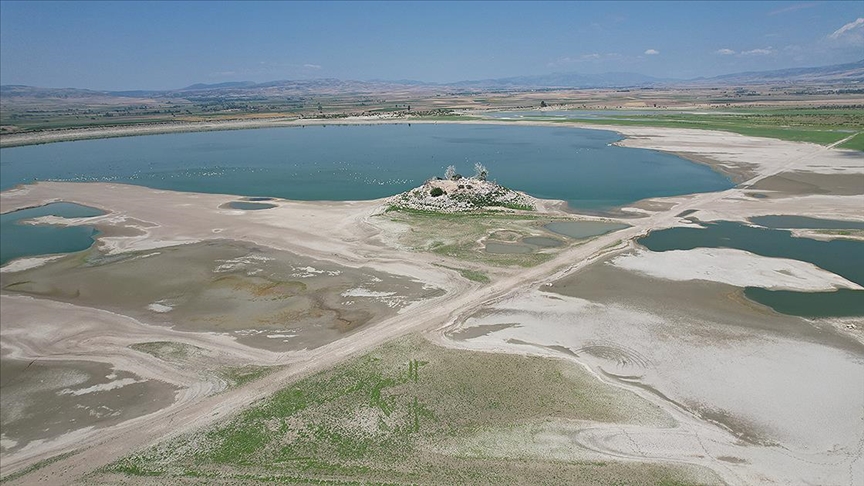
(368, 162)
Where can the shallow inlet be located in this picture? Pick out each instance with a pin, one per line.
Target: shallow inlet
(18, 239)
(843, 257)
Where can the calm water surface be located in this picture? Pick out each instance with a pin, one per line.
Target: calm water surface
(19, 240)
(250, 206)
(584, 229)
(803, 222)
(843, 257)
(368, 162)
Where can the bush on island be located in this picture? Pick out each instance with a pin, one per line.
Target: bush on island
(436, 191)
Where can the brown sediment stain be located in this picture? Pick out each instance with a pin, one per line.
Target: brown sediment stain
(732, 459)
(727, 315)
(553, 347)
(738, 426)
(43, 399)
(472, 332)
(803, 183)
(228, 287)
(737, 173)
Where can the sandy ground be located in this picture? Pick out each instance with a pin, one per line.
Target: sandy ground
(734, 267)
(347, 233)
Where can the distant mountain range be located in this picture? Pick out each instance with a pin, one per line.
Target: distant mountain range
(845, 74)
(835, 74)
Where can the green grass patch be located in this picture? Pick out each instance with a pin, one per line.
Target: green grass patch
(456, 235)
(473, 275)
(166, 350)
(819, 135)
(816, 125)
(385, 417)
(240, 375)
(854, 143)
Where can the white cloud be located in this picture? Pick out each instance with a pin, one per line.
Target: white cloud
(652, 52)
(758, 52)
(312, 66)
(724, 52)
(852, 33)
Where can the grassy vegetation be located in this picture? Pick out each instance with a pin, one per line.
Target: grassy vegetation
(203, 360)
(240, 375)
(855, 143)
(822, 126)
(392, 415)
(457, 235)
(835, 232)
(473, 275)
(166, 350)
(36, 466)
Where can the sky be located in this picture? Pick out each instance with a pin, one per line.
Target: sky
(129, 45)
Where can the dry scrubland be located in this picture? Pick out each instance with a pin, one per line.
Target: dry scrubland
(582, 361)
(398, 414)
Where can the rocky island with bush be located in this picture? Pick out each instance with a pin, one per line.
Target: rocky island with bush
(456, 194)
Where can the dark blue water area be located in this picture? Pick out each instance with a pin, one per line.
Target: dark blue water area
(21, 240)
(369, 162)
(842, 257)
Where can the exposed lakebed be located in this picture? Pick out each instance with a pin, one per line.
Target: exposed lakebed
(265, 298)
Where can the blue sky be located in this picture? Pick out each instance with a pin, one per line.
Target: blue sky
(163, 45)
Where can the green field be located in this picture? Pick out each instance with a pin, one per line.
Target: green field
(404, 414)
(822, 126)
(856, 143)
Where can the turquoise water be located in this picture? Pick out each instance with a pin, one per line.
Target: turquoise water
(368, 162)
(840, 303)
(843, 257)
(20, 240)
(776, 221)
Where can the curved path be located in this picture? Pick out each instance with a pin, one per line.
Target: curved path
(109, 444)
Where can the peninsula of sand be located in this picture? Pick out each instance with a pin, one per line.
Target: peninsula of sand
(206, 307)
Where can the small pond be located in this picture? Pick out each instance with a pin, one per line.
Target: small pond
(584, 229)
(249, 206)
(18, 239)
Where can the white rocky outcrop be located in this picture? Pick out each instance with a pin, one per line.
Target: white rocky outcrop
(461, 195)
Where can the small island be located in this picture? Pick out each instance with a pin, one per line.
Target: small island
(457, 194)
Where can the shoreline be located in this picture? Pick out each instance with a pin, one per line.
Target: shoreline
(734, 173)
(345, 233)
